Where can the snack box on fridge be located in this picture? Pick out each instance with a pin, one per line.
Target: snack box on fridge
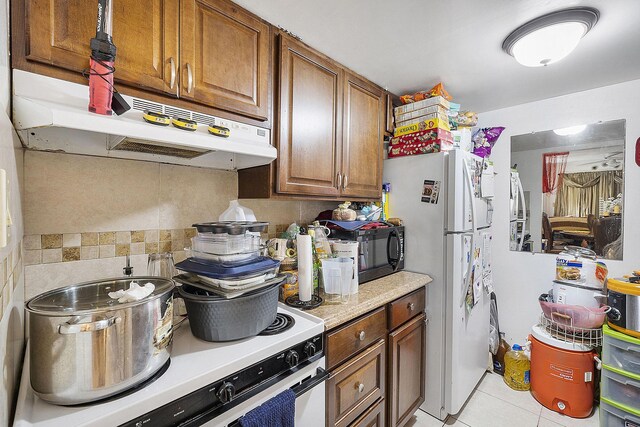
(412, 149)
(412, 106)
(422, 125)
(423, 118)
(434, 109)
(427, 135)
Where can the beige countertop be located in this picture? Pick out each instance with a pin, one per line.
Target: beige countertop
(370, 296)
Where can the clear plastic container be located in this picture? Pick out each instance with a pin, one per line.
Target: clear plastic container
(225, 244)
(621, 351)
(612, 416)
(337, 274)
(621, 387)
(223, 259)
(517, 369)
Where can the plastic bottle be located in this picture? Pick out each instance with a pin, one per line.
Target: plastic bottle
(517, 369)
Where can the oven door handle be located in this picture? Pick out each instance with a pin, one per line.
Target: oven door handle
(306, 385)
(394, 262)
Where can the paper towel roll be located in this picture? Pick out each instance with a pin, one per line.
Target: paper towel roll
(305, 267)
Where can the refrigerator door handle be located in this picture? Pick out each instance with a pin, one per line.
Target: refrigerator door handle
(469, 186)
(523, 220)
(393, 262)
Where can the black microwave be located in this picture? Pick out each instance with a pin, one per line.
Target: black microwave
(381, 250)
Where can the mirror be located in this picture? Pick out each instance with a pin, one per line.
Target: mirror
(567, 188)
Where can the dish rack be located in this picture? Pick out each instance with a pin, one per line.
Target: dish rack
(571, 334)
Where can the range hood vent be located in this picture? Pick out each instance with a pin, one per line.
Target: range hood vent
(51, 115)
(139, 146)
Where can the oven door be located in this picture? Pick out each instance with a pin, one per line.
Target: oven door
(309, 385)
(381, 253)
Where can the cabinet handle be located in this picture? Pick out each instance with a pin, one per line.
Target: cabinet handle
(344, 182)
(411, 306)
(172, 82)
(189, 78)
(339, 180)
(360, 387)
(361, 335)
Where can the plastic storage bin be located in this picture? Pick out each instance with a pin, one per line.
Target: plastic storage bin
(621, 387)
(230, 259)
(621, 351)
(615, 415)
(225, 244)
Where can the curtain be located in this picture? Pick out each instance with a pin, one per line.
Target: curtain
(553, 167)
(579, 193)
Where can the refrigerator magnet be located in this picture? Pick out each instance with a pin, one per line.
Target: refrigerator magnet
(430, 191)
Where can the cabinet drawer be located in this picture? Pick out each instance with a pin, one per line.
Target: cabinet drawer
(356, 336)
(406, 308)
(374, 417)
(356, 385)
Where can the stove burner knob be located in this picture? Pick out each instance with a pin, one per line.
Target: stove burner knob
(310, 349)
(226, 392)
(292, 358)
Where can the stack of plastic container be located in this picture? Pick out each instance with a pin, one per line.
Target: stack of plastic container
(225, 272)
(620, 384)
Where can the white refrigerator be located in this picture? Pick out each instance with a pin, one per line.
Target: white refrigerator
(445, 202)
(517, 204)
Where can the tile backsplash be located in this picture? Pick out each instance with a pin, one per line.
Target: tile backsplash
(83, 214)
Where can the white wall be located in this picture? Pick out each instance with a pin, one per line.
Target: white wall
(521, 277)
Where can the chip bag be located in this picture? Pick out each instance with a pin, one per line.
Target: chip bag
(484, 139)
(437, 90)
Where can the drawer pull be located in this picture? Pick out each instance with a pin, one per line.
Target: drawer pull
(360, 387)
(361, 335)
(411, 306)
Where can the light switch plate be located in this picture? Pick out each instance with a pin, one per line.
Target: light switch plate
(4, 209)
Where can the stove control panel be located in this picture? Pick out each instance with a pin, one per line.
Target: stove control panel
(204, 404)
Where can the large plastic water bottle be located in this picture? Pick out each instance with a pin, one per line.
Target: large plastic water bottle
(517, 368)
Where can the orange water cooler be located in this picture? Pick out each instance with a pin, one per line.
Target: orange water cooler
(562, 374)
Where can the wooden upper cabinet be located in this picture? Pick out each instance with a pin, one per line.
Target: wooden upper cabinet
(224, 55)
(58, 33)
(309, 121)
(364, 125)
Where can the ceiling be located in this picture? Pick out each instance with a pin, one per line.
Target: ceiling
(409, 45)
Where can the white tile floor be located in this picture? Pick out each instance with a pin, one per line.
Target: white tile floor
(494, 404)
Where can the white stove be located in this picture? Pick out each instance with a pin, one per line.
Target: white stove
(203, 368)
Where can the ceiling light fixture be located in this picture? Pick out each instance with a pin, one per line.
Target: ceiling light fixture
(571, 130)
(551, 37)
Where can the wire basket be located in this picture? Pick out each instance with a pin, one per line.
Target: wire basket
(571, 334)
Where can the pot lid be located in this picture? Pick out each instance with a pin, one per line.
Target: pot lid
(90, 297)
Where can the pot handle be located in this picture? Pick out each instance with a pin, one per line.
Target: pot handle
(74, 328)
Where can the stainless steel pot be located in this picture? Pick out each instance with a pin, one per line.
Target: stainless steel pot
(86, 346)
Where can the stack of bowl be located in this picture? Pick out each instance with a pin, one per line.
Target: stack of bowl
(229, 289)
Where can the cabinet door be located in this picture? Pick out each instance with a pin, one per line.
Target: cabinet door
(309, 121)
(406, 370)
(374, 417)
(224, 54)
(145, 35)
(364, 124)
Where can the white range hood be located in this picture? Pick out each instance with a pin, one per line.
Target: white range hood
(51, 115)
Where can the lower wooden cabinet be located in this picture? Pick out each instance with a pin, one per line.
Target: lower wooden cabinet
(374, 417)
(356, 385)
(406, 370)
(377, 364)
